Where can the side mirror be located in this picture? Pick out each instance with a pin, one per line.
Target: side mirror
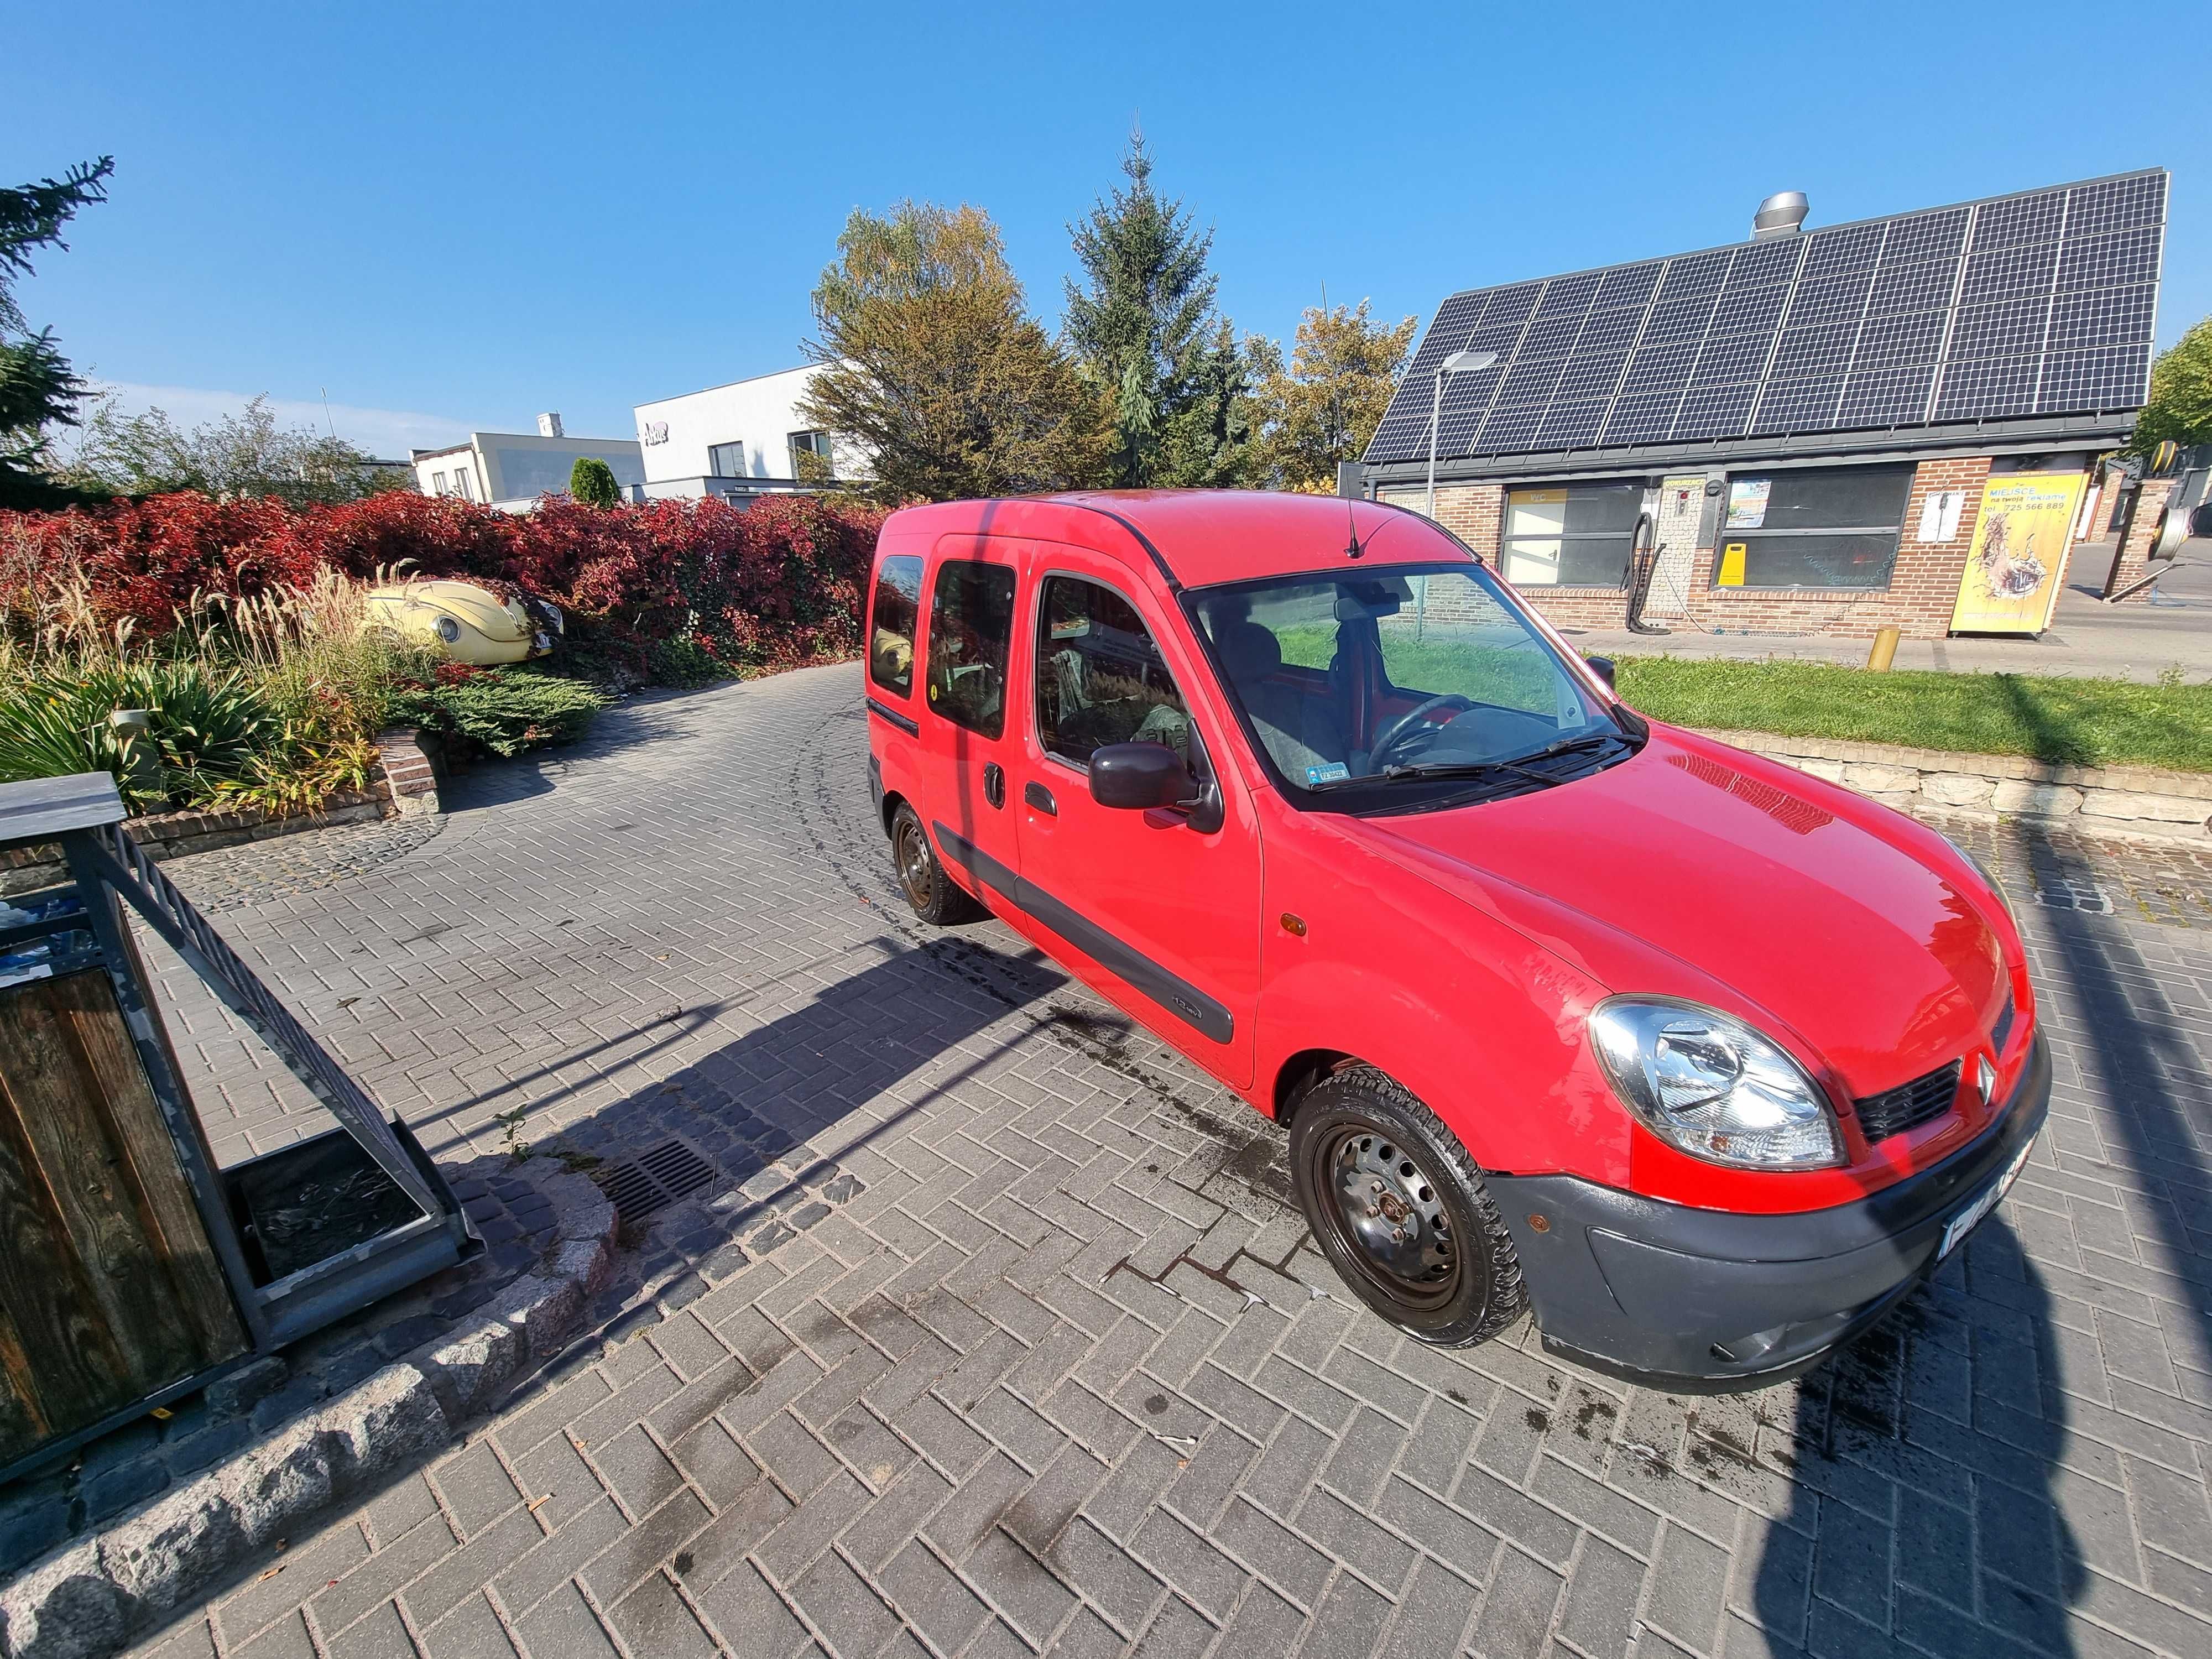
(1138, 775)
(1601, 666)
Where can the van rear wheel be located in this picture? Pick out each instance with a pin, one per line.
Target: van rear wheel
(1402, 1213)
(921, 875)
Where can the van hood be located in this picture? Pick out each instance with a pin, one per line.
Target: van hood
(1775, 889)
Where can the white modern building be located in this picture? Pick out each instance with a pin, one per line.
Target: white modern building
(512, 470)
(741, 439)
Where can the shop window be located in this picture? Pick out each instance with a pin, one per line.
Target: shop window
(1813, 529)
(1570, 535)
(1100, 678)
(891, 632)
(971, 630)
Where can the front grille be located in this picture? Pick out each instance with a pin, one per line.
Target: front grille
(1910, 1104)
(2003, 1028)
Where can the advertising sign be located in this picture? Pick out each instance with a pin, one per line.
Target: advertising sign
(2017, 558)
(1746, 506)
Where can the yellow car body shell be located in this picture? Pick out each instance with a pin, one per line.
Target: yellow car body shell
(460, 620)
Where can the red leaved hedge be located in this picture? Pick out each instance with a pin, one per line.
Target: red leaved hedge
(775, 586)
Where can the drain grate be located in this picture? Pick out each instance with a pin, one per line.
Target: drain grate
(654, 1179)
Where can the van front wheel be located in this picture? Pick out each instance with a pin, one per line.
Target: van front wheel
(922, 878)
(1402, 1213)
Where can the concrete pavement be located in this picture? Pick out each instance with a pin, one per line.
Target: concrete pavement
(1055, 1369)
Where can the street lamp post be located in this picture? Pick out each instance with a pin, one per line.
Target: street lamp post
(1460, 362)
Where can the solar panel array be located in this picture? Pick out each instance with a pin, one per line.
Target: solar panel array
(2039, 304)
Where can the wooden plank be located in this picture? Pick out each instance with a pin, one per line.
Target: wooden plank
(22, 1425)
(66, 1369)
(167, 1213)
(94, 1261)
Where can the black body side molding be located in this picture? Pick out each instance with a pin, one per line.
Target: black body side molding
(1177, 995)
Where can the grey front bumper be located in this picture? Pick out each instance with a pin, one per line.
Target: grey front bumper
(1711, 1301)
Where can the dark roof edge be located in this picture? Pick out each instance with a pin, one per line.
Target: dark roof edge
(1809, 230)
(1895, 443)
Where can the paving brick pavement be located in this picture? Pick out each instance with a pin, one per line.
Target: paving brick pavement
(1055, 1367)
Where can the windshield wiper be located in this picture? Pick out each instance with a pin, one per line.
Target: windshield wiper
(1516, 765)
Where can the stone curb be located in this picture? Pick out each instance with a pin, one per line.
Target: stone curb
(87, 1600)
(2130, 802)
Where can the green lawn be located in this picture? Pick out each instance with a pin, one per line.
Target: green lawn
(2082, 722)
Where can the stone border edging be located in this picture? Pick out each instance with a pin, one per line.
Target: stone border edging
(87, 1599)
(2143, 801)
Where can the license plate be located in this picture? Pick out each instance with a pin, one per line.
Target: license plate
(1964, 1222)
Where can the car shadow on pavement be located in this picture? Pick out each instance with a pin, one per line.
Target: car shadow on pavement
(876, 1046)
(1923, 1461)
(1932, 1482)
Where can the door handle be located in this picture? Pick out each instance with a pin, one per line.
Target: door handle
(995, 783)
(1039, 799)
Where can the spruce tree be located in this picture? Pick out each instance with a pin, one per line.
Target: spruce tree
(39, 391)
(1142, 325)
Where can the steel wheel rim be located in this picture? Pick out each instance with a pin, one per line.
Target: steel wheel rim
(913, 862)
(1387, 1216)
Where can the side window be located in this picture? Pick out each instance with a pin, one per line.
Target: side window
(891, 638)
(1100, 678)
(971, 631)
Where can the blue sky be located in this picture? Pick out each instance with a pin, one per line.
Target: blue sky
(455, 216)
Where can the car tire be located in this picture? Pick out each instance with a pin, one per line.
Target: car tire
(921, 875)
(1401, 1211)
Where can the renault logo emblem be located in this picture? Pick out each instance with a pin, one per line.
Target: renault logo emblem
(1985, 1079)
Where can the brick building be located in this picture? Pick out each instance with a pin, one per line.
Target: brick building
(1817, 431)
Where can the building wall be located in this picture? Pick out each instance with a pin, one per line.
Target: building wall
(429, 468)
(1924, 584)
(678, 433)
(520, 466)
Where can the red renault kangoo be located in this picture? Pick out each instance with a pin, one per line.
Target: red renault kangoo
(1704, 1061)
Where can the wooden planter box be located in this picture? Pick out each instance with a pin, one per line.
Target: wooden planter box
(132, 1270)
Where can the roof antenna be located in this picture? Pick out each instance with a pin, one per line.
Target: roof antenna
(1352, 549)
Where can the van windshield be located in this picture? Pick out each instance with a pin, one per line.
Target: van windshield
(1395, 676)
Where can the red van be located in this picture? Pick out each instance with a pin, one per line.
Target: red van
(1705, 1061)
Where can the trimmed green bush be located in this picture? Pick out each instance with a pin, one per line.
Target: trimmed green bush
(592, 482)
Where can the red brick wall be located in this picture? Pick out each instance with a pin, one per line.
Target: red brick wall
(1923, 591)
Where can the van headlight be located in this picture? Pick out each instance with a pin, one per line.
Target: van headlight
(1712, 1086)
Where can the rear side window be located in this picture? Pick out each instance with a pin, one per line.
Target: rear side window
(971, 631)
(1100, 678)
(891, 638)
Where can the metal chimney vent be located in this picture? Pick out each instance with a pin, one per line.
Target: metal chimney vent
(1782, 214)
(549, 426)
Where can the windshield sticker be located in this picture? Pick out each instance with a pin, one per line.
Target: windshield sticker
(1335, 772)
